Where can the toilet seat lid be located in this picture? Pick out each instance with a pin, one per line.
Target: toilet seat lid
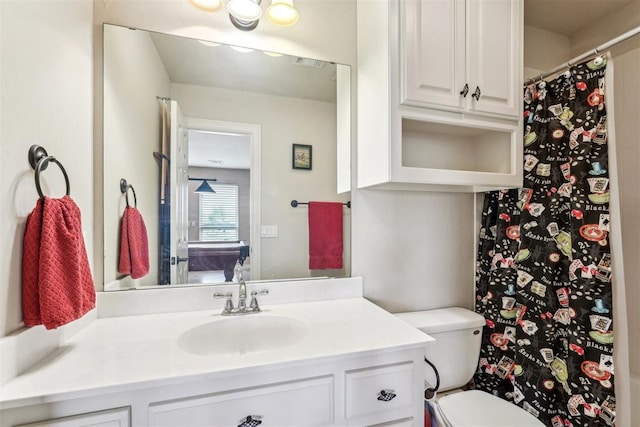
(475, 408)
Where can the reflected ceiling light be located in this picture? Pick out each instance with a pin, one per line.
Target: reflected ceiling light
(282, 12)
(273, 54)
(241, 49)
(208, 43)
(207, 5)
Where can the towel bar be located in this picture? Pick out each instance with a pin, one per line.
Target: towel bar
(39, 160)
(295, 203)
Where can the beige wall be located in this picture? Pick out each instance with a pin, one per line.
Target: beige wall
(283, 121)
(46, 99)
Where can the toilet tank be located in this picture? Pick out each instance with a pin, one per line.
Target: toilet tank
(455, 352)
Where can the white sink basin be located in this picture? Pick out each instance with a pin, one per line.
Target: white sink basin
(242, 335)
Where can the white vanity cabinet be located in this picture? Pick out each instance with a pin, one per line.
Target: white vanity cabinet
(439, 94)
(383, 388)
(356, 365)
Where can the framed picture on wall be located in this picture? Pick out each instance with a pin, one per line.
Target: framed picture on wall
(301, 156)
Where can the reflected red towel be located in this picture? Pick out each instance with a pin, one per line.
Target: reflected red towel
(325, 235)
(57, 286)
(134, 244)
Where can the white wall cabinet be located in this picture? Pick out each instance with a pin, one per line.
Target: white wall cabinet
(439, 94)
(461, 55)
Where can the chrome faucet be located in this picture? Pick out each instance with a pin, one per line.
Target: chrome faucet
(242, 293)
(254, 307)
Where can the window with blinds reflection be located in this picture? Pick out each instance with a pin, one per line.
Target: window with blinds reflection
(218, 214)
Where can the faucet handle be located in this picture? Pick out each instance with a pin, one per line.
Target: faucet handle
(254, 300)
(228, 305)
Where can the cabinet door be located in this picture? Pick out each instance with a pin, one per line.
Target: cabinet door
(296, 403)
(432, 49)
(494, 55)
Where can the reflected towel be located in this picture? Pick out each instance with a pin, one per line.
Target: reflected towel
(134, 244)
(325, 235)
(57, 286)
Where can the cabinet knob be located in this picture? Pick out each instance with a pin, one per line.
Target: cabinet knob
(386, 395)
(465, 90)
(476, 94)
(251, 421)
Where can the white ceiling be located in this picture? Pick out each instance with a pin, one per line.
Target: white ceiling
(569, 16)
(219, 150)
(189, 61)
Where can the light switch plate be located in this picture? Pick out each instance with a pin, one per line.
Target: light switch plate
(269, 231)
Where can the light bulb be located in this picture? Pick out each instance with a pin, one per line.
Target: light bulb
(208, 5)
(282, 12)
(244, 10)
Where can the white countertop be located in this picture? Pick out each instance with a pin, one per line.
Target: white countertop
(125, 353)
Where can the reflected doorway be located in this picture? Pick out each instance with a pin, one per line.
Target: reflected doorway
(223, 201)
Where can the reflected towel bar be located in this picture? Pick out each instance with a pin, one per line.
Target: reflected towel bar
(295, 203)
(124, 189)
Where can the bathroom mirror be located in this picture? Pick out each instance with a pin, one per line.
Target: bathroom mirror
(238, 114)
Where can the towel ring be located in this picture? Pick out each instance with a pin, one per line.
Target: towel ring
(124, 189)
(39, 160)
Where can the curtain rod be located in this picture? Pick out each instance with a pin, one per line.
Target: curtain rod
(598, 50)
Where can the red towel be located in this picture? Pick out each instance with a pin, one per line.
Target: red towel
(57, 286)
(134, 244)
(325, 235)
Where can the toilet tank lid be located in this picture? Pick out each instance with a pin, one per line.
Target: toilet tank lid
(443, 319)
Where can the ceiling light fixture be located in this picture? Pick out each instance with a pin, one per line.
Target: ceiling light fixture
(282, 12)
(245, 14)
(207, 5)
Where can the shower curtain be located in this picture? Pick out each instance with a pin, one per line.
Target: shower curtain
(543, 278)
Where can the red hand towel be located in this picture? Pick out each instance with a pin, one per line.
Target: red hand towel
(325, 235)
(134, 244)
(57, 286)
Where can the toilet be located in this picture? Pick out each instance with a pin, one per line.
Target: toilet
(455, 353)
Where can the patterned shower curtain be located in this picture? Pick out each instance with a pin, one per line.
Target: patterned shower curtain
(543, 278)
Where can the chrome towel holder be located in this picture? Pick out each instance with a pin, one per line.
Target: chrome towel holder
(124, 189)
(295, 203)
(39, 160)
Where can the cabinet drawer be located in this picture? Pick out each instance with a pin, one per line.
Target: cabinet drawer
(110, 418)
(379, 389)
(307, 402)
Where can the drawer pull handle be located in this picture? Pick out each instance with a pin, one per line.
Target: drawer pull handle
(476, 94)
(251, 421)
(465, 90)
(386, 395)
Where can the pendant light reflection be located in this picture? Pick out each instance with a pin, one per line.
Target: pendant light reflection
(204, 187)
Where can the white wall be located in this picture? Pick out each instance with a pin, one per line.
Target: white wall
(132, 129)
(430, 272)
(45, 99)
(543, 50)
